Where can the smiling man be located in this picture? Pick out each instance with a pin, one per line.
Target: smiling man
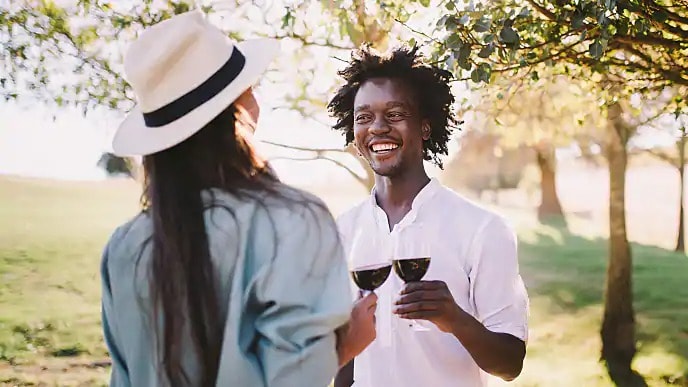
(397, 111)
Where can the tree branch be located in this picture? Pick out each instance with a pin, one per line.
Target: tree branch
(543, 10)
(307, 42)
(650, 40)
(306, 149)
(663, 156)
(338, 163)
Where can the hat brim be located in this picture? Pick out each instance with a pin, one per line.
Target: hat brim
(134, 138)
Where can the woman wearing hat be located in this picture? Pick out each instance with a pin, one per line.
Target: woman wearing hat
(227, 277)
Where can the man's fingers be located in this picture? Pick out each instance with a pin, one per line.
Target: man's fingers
(422, 285)
(420, 295)
(421, 315)
(417, 307)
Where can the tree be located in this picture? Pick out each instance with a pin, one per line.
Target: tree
(677, 158)
(630, 46)
(86, 39)
(117, 166)
(558, 121)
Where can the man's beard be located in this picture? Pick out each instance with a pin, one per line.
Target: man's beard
(388, 170)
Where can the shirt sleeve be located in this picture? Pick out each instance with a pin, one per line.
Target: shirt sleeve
(498, 294)
(119, 376)
(304, 297)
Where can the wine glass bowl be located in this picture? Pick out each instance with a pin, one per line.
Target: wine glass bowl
(411, 269)
(371, 277)
(370, 261)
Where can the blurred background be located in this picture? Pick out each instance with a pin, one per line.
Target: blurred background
(574, 127)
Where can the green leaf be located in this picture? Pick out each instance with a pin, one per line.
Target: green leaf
(486, 51)
(485, 72)
(482, 25)
(660, 16)
(578, 20)
(449, 5)
(475, 76)
(500, 96)
(412, 42)
(451, 23)
(525, 11)
(534, 76)
(464, 56)
(464, 19)
(596, 49)
(488, 38)
(509, 35)
(454, 41)
(424, 3)
(286, 18)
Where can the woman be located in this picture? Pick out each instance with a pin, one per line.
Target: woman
(227, 277)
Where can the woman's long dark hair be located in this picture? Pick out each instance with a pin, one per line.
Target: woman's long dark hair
(182, 278)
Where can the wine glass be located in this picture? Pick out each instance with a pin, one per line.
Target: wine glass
(369, 261)
(412, 259)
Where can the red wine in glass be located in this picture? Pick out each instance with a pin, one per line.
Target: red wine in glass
(411, 269)
(371, 277)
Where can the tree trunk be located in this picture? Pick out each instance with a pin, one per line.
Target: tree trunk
(618, 325)
(550, 206)
(680, 243)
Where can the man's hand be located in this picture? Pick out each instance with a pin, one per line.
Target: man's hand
(499, 354)
(432, 301)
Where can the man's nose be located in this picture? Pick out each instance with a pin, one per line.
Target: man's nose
(379, 126)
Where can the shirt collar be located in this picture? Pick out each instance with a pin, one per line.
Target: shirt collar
(423, 196)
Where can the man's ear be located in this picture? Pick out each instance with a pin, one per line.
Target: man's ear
(426, 130)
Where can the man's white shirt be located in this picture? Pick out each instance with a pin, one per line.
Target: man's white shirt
(474, 251)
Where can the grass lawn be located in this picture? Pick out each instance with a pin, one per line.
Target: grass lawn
(52, 234)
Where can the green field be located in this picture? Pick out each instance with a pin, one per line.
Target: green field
(52, 233)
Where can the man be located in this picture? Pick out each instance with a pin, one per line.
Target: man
(397, 111)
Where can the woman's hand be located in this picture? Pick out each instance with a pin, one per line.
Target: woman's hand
(359, 332)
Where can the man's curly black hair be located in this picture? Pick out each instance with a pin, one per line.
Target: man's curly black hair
(429, 83)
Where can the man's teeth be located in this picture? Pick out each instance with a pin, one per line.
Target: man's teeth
(384, 147)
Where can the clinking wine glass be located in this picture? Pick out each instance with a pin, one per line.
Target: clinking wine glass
(371, 277)
(412, 260)
(369, 262)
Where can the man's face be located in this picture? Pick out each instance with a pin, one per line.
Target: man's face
(388, 130)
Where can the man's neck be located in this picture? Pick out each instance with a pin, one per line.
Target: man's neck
(396, 194)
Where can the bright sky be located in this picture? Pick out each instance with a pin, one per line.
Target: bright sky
(32, 143)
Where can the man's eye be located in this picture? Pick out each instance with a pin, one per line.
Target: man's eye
(362, 118)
